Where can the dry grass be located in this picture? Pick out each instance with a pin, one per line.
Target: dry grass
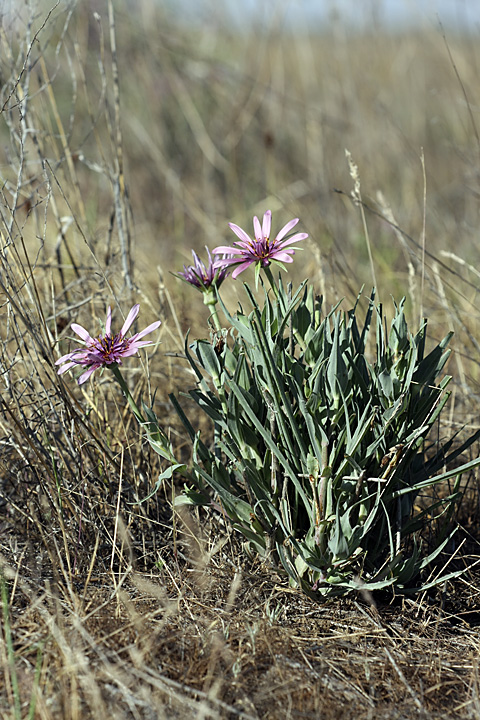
(113, 166)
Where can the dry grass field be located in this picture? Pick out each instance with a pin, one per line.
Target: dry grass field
(128, 138)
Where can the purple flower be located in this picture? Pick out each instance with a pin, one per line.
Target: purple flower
(200, 276)
(261, 250)
(106, 349)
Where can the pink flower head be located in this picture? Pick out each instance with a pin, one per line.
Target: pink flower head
(261, 250)
(106, 349)
(203, 277)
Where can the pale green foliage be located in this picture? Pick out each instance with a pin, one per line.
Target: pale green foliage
(320, 429)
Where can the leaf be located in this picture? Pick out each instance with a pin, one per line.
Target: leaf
(191, 497)
(455, 472)
(208, 359)
(236, 508)
(398, 339)
(431, 366)
(209, 404)
(337, 544)
(255, 538)
(166, 475)
(337, 375)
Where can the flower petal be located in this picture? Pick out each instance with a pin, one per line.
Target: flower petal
(295, 238)
(230, 262)
(131, 350)
(283, 256)
(108, 324)
(65, 358)
(226, 250)
(81, 332)
(286, 229)
(199, 265)
(258, 229)
(66, 367)
(84, 377)
(267, 224)
(239, 233)
(129, 320)
(147, 330)
(242, 267)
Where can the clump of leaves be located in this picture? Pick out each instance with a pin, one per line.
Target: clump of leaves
(320, 454)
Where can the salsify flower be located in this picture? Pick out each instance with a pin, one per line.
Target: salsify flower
(261, 251)
(203, 277)
(105, 349)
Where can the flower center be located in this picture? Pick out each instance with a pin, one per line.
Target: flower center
(110, 346)
(261, 248)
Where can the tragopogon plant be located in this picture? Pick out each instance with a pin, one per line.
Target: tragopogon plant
(319, 454)
(320, 457)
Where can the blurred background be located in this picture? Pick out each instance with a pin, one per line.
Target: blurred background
(208, 112)
(383, 14)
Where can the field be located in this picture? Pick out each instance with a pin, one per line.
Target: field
(129, 138)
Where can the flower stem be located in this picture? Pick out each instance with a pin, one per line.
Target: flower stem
(133, 405)
(210, 300)
(268, 272)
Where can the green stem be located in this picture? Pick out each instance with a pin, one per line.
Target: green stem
(210, 300)
(133, 405)
(155, 435)
(268, 272)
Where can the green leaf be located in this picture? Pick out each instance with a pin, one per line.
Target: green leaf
(208, 358)
(166, 475)
(192, 498)
(337, 544)
(209, 404)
